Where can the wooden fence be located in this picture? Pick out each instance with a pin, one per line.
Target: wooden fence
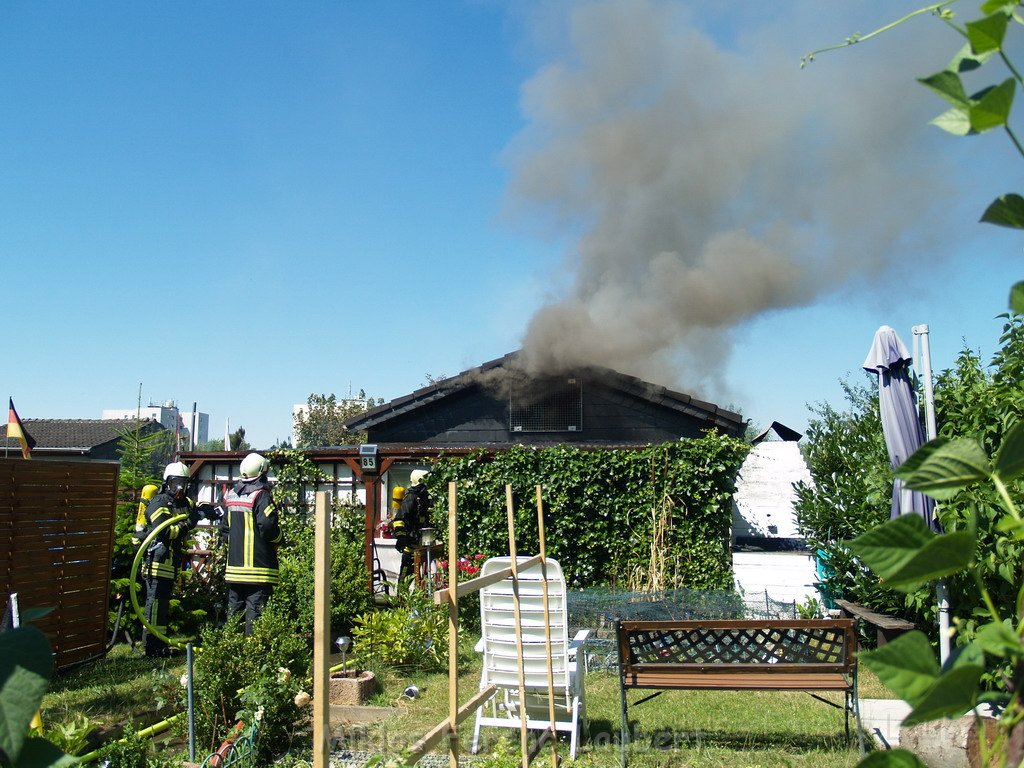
(56, 543)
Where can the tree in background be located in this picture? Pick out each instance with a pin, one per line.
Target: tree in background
(211, 445)
(323, 423)
(238, 441)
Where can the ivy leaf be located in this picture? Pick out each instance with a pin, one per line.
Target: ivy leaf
(904, 552)
(1017, 292)
(949, 86)
(1005, 211)
(40, 752)
(986, 35)
(891, 758)
(906, 665)
(993, 109)
(942, 467)
(956, 121)
(1010, 458)
(952, 695)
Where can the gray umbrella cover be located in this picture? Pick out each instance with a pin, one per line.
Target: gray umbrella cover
(901, 423)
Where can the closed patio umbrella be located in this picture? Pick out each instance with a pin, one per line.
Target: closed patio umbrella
(904, 434)
(901, 424)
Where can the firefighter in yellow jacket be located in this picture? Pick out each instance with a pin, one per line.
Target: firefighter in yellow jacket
(164, 554)
(253, 535)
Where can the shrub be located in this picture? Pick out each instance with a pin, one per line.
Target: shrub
(237, 677)
(412, 633)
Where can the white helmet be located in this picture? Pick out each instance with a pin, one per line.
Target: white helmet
(253, 466)
(417, 476)
(176, 469)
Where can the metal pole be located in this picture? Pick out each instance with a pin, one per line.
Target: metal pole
(941, 590)
(191, 705)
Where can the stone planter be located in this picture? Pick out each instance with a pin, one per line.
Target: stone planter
(352, 687)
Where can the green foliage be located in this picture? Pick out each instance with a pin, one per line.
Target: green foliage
(130, 751)
(70, 735)
(236, 677)
(852, 493)
(410, 634)
(26, 665)
(609, 514)
(294, 472)
(323, 423)
(350, 592)
(238, 441)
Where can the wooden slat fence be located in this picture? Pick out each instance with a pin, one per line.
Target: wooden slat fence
(56, 544)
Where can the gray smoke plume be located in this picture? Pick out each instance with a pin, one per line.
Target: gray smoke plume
(704, 183)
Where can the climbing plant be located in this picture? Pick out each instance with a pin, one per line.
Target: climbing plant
(604, 508)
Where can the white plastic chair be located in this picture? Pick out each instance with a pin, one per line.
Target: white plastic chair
(500, 656)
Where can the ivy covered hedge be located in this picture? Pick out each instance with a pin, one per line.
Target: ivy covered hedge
(653, 518)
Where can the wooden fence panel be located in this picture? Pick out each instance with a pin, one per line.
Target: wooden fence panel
(56, 546)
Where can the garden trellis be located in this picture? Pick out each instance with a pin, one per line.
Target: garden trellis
(450, 596)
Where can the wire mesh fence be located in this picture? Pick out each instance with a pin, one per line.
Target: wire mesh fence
(598, 609)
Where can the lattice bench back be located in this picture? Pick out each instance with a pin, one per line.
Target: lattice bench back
(776, 646)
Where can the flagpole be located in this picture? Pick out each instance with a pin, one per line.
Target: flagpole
(7, 437)
(941, 590)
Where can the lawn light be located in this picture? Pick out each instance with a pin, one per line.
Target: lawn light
(343, 644)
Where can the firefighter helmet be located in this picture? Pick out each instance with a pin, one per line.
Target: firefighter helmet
(417, 476)
(176, 469)
(253, 466)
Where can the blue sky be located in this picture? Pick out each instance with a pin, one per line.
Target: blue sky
(239, 204)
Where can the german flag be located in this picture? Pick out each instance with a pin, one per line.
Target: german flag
(16, 429)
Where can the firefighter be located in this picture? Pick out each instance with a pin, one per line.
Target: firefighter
(253, 535)
(164, 553)
(412, 515)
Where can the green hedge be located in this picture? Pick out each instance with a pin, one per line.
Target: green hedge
(653, 518)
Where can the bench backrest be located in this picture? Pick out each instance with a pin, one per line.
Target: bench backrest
(784, 645)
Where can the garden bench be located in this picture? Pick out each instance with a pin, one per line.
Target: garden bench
(773, 654)
(887, 627)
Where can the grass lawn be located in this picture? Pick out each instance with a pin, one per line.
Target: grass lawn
(678, 728)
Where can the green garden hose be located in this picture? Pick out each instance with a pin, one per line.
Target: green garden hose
(133, 586)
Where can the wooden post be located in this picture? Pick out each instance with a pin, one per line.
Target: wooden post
(547, 627)
(321, 631)
(518, 626)
(453, 632)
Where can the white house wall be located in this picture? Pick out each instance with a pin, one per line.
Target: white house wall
(786, 576)
(764, 502)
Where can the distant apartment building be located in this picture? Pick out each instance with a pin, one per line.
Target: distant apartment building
(167, 414)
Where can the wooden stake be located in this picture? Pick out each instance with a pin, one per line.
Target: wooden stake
(518, 625)
(453, 632)
(321, 631)
(547, 627)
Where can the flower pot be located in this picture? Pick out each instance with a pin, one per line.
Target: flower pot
(352, 687)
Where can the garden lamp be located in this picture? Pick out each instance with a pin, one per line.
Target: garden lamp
(343, 644)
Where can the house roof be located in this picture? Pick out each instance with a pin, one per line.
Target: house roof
(654, 393)
(75, 434)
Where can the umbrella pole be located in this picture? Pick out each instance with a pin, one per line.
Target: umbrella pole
(941, 591)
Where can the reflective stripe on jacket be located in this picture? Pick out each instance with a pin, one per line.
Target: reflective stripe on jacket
(253, 535)
(164, 555)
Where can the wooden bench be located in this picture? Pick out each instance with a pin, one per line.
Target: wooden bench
(774, 655)
(887, 627)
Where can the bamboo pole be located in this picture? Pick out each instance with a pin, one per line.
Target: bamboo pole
(321, 632)
(453, 632)
(547, 628)
(518, 626)
(435, 734)
(475, 585)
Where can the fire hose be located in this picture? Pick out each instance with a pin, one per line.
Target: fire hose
(133, 586)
